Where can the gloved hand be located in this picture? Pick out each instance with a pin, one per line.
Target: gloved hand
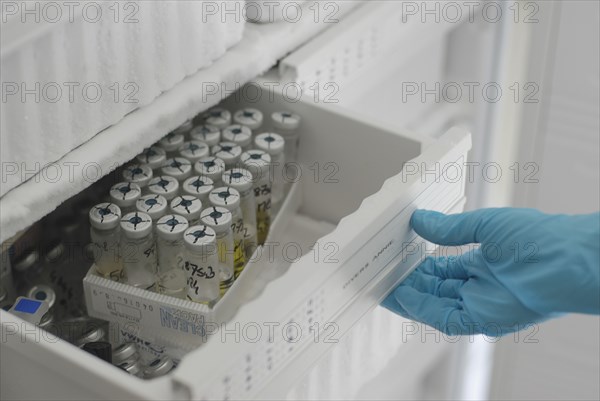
(529, 267)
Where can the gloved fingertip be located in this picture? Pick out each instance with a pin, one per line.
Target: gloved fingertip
(424, 221)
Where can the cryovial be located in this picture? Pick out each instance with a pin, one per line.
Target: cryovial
(251, 118)
(209, 134)
(218, 117)
(47, 294)
(159, 367)
(169, 242)
(241, 180)
(154, 156)
(187, 206)
(170, 248)
(178, 168)
(211, 167)
(259, 164)
(171, 144)
(132, 367)
(156, 206)
(286, 124)
(125, 195)
(184, 129)
(238, 134)
(164, 185)
(198, 186)
(274, 144)
(139, 174)
(229, 152)
(105, 234)
(229, 198)
(194, 150)
(138, 250)
(201, 264)
(219, 219)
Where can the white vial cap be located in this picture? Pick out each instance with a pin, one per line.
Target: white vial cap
(125, 194)
(139, 174)
(238, 134)
(172, 226)
(184, 128)
(218, 116)
(238, 178)
(154, 205)
(226, 197)
(178, 168)
(271, 143)
(171, 142)
(198, 186)
(165, 186)
(285, 120)
(194, 150)
(153, 156)
(251, 118)
(216, 217)
(136, 225)
(229, 152)
(208, 134)
(187, 206)
(211, 166)
(199, 236)
(105, 216)
(257, 162)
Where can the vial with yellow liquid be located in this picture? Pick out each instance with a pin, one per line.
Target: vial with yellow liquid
(219, 219)
(241, 180)
(201, 264)
(258, 163)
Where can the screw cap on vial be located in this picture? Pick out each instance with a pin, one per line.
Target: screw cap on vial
(257, 162)
(164, 185)
(125, 194)
(270, 142)
(153, 156)
(171, 227)
(154, 205)
(285, 120)
(238, 134)
(177, 167)
(197, 237)
(105, 216)
(159, 367)
(212, 167)
(226, 197)
(208, 134)
(187, 206)
(194, 150)
(198, 186)
(92, 334)
(229, 152)
(125, 352)
(42, 292)
(251, 118)
(136, 225)
(218, 117)
(216, 217)
(238, 178)
(171, 142)
(139, 174)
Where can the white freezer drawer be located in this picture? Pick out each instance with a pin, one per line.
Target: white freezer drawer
(347, 273)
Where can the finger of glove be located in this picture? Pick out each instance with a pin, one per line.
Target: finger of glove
(455, 229)
(444, 314)
(444, 268)
(425, 283)
(391, 304)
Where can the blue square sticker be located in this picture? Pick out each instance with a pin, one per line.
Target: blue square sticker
(27, 306)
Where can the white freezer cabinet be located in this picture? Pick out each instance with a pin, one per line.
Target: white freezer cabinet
(348, 215)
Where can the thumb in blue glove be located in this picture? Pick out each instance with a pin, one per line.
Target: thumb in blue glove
(529, 267)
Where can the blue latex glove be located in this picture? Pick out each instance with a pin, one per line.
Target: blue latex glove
(530, 267)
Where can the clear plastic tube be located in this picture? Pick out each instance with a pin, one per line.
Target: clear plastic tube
(201, 264)
(241, 180)
(138, 250)
(219, 219)
(105, 233)
(258, 163)
(274, 145)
